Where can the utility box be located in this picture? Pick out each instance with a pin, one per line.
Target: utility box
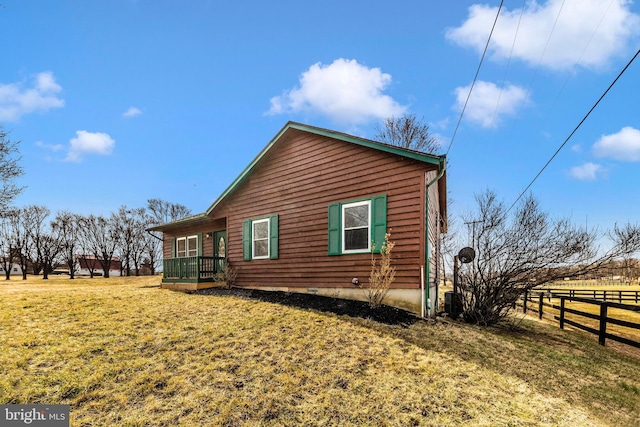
(452, 304)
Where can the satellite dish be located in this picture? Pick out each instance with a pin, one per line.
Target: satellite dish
(466, 255)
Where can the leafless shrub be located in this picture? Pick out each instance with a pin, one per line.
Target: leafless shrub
(517, 253)
(227, 274)
(382, 274)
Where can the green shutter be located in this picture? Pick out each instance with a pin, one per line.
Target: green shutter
(378, 221)
(200, 243)
(246, 240)
(273, 237)
(335, 246)
(173, 248)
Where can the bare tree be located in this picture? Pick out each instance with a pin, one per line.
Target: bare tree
(86, 258)
(515, 254)
(102, 239)
(34, 222)
(407, 132)
(21, 238)
(67, 225)
(125, 229)
(50, 249)
(153, 248)
(160, 212)
(10, 170)
(7, 243)
(131, 225)
(139, 249)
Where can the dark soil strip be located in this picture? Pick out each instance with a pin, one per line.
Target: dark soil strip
(383, 314)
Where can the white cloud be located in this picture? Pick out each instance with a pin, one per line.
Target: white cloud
(89, 143)
(345, 91)
(624, 145)
(613, 22)
(132, 112)
(16, 100)
(52, 147)
(482, 108)
(587, 172)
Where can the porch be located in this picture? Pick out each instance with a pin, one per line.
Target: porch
(191, 273)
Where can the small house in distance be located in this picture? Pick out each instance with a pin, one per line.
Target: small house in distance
(89, 265)
(14, 270)
(306, 213)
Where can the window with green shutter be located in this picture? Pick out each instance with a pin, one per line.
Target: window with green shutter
(260, 238)
(357, 226)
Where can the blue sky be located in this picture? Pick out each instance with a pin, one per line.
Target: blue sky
(119, 101)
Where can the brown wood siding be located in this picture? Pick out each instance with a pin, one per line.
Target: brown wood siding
(297, 179)
(204, 227)
(434, 226)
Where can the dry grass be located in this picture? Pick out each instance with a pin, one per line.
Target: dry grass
(123, 353)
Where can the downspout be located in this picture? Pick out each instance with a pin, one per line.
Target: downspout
(153, 235)
(426, 310)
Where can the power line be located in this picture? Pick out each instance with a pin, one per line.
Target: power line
(584, 50)
(506, 71)
(534, 74)
(475, 77)
(574, 130)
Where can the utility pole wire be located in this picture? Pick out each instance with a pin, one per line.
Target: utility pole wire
(475, 77)
(574, 130)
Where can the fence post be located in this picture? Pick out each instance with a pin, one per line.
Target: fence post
(540, 302)
(602, 336)
(526, 297)
(562, 299)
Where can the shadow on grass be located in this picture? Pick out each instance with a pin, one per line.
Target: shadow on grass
(383, 314)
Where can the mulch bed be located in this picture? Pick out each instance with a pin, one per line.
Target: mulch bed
(383, 314)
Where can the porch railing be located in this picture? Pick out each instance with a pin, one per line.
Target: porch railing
(194, 268)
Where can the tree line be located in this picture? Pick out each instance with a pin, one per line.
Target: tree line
(38, 242)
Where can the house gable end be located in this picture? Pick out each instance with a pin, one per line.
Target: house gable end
(430, 161)
(436, 161)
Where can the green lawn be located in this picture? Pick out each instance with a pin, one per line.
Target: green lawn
(123, 352)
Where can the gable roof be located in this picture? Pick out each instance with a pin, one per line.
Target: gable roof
(438, 161)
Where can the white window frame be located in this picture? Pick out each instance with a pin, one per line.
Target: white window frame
(188, 250)
(343, 228)
(253, 238)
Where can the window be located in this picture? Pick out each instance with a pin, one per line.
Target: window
(357, 226)
(222, 248)
(260, 238)
(187, 246)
